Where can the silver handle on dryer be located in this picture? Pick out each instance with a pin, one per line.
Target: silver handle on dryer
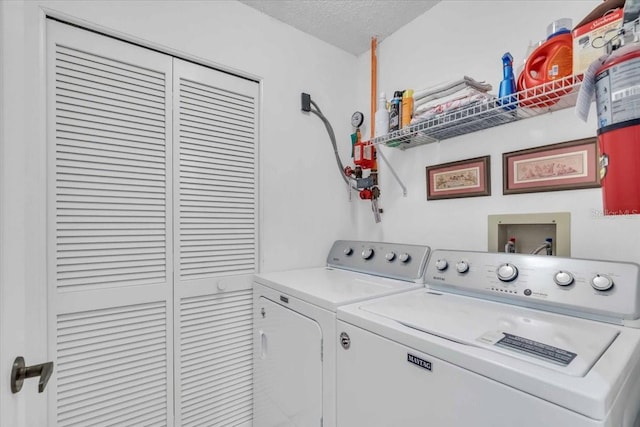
(263, 344)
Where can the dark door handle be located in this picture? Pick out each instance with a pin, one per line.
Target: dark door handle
(20, 372)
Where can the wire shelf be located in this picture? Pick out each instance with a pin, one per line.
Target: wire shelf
(552, 96)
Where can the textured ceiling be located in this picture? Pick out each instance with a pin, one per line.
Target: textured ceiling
(347, 24)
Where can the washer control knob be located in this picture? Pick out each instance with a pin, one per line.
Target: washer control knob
(348, 251)
(367, 253)
(404, 257)
(462, 266)
(601, 282)
(563, 278)
(441, 264)
(390, 256)
(507, 272)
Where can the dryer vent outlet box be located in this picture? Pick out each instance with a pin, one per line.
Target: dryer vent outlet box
(530, 232)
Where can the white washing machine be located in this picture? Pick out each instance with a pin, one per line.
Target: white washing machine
(496, 340)
(295, 322)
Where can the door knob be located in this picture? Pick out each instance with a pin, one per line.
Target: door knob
(20, 372)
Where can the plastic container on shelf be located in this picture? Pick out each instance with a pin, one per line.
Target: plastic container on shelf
(382, 116)
(507, 90)
(395, 111)
(407, 108)
(559, 26)
(550, 62)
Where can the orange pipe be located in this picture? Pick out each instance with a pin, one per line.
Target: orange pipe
(374, 84)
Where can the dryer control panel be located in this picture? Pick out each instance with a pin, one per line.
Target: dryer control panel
(392, 260)
(596, 289)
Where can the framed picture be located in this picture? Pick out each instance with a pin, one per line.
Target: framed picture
(464, 178)
(565, 166)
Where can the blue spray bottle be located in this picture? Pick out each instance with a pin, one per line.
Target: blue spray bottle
(508, 84)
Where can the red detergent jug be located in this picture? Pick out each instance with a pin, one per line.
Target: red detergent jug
(550, 62)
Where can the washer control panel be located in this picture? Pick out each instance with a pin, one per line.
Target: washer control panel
(591, 288)
(563, 278)
(441, 264)
(462, 266)
(507, 272)
(393, 260)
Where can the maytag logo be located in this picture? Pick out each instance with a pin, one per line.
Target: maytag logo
(438, 278)
(424, 364)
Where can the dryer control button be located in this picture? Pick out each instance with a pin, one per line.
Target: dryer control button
(367, 253)
(348, 251)
(390, 256)
(462, 266)
(563, 278)
(404, 257)
(441, 264)
(507, 272)
(601, 282)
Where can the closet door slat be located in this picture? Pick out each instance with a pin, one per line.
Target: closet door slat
(110, 230)
(215, 245)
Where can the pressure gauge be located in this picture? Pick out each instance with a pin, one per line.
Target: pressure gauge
(357, 119)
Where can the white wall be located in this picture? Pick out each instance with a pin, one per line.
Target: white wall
(304, 204)
(458, 38)
(304, 207)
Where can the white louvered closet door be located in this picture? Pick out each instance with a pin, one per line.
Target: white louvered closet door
(110, 231)
(215, 128)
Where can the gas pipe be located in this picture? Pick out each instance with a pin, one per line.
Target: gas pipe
(618, 106)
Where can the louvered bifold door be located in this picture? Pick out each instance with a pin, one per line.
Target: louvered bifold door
(215, 251)
(110, 233)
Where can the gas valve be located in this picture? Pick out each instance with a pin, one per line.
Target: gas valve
(372, 193)
(366, 194)
(375, 192)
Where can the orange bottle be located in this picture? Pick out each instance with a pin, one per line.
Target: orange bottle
(407, 107)
(552, 60)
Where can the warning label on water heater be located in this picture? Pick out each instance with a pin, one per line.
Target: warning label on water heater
(618, 93)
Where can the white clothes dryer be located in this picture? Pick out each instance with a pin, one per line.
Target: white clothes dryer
(295, 322)
(496, 340)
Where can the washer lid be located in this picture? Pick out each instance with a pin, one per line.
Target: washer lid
(329, 288)
(562, 343)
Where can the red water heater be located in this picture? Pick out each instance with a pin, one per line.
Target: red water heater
(618, 105)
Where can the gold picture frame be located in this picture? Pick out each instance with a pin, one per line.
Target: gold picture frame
(463, 178)
(567, 165)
